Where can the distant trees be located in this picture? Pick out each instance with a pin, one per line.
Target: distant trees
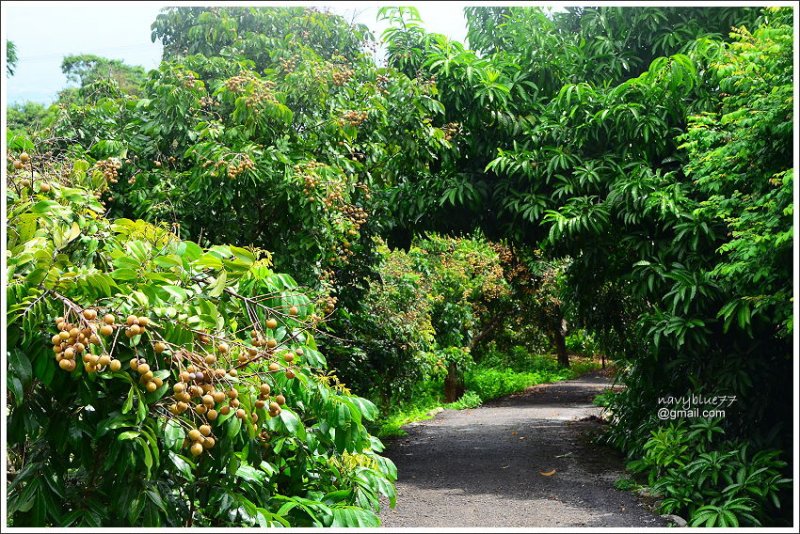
(86, 69)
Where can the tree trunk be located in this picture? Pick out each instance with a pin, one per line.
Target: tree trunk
(561, 348)
(561, 345)
(453, 384)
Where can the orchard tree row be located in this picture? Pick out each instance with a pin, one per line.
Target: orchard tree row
(623, 171)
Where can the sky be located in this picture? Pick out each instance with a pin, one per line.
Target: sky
(45, 32)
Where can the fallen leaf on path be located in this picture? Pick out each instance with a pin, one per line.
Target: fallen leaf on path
(514, 433)
(547, 473)
(564, 455)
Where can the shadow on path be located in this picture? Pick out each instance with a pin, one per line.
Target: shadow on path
(481, 467)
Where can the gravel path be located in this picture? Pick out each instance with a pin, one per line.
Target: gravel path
(481, 467)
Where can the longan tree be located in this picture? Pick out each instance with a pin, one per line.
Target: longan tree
(154, 382)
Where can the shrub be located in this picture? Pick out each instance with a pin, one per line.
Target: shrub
(713, 482)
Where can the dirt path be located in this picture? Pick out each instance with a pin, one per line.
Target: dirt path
(481, 467)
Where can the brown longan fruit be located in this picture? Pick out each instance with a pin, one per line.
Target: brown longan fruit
(90, 314)
(280, 399)
(115, 365)
(223, 348)
(109, 319)
(106, 330)
(67, 365)
(240, 413)
(205, 430)
(131, 320)
(151, 387)
(159, 347)
(197, 449)
(272, 324)
(265, 389)
(212, 415)
(293, 310)
(209, 443)
(290, 374)
(219, 396)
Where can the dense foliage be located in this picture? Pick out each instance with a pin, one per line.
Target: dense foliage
(207, 405)
(654, 152)
(623, 177)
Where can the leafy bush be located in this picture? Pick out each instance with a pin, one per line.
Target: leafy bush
(713, 482)
(494, 382)
(469, 399)
(604, 399)
(154, 382)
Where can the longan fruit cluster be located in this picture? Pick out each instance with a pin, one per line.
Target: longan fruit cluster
(76, 340)
(20, 163)
(327, 303)
(342, 76)
(188, 80)
(208, 102)
(244, 164)
(110, 169)
(357, 215)
(310, 183)
(201, 439)
(382, 83)
(136, 326)
(146, 377)
(334, 197)
(288, 65)
(450, 130)
(236, 83)
(354, 118)
(259, 97)
(196, 391)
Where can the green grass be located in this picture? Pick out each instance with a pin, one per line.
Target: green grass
(483, 383)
